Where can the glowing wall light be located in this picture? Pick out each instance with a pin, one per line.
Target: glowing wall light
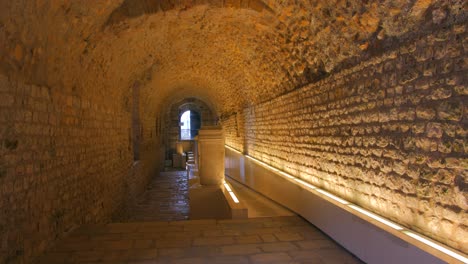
(286, 175)
(233, 149)
(376, 217)
(263, 164)
(227, 187)
(233, 196)
(437, 246)
(334, 197)
(305, 184)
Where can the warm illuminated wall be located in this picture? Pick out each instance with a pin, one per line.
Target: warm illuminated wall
(388, 134)
(230, 55)
(65, 160)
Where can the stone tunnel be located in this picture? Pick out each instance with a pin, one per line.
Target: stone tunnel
(365, 101)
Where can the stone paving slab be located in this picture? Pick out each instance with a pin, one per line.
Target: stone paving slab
(158, 232)
(165, 199)
(219, 241)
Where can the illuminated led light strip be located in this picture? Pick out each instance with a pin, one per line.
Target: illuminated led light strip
(233, 196)
(233, 149)
(436, 246)
(263, 163)
(270, 167)
(334, 197)
(227, 187)
(286, 175)
(376, 217)
(382, 220)
(305, 184)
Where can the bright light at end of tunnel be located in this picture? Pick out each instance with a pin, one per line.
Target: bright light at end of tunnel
(436, 246)
(376, 217)
(234, 197)
(227, 187)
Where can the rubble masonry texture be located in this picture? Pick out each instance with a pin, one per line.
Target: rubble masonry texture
(366, 99)
(388, 134)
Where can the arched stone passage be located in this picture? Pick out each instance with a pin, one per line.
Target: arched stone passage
(366, 100)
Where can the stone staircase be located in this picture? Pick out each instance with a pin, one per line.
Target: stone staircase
(158, 232)
(256, 240)
(192, 170)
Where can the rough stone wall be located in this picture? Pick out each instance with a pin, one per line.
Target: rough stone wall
(228, 57)
(234, 131)
(65, 159)
(149, 160)
(232, 56)
(389, 134)
(135, 8)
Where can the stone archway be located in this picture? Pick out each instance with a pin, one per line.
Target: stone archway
(190, 123)
(201, 114)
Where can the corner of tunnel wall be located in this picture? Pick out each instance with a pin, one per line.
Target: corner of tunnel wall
(388, 134)
(65, 160)
(150, 163)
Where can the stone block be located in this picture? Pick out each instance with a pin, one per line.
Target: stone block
(208, 202)
(210, 147)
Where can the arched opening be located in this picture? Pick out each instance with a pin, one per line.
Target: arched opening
(182, 121)
(190, 122)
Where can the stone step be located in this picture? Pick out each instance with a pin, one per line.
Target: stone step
(257, 240)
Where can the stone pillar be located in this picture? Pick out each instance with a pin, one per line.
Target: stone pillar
(211, 155)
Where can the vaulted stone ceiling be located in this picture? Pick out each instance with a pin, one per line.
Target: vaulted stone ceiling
(231, 53)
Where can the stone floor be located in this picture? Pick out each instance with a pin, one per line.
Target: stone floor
(256, 240)
(155, 235)
(165, 199)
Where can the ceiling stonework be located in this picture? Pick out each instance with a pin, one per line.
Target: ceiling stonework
(235, 53)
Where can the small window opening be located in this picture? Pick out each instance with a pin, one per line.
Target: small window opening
(185, 126)
(189, 125)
